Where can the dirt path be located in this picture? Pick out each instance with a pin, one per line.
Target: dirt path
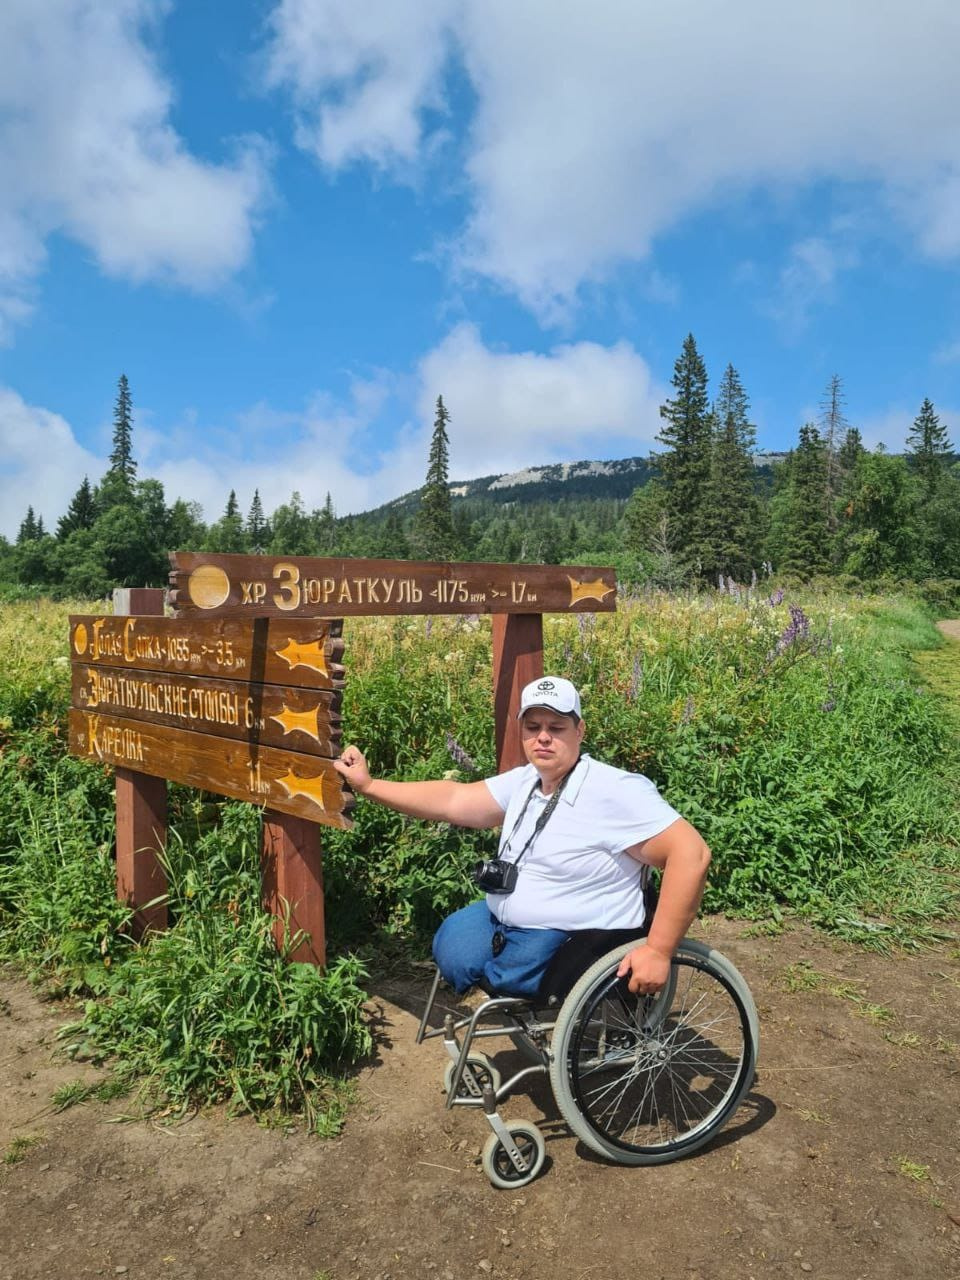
(843, 1162)
(950, 628)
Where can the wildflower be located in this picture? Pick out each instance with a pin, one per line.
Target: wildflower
(459, 755)
(720, 583)
(688, 709)
(797, 629)
(776, 598)
(753, 579)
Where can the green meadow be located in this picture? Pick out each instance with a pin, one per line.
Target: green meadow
(812, 737)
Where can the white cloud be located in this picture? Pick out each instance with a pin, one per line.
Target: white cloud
(509, 410)
(87, 149)
(362, 76)
(41, 463)
(808, 278)
(596, 128)
(514, 409)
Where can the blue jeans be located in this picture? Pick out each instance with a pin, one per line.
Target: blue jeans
(463, 950)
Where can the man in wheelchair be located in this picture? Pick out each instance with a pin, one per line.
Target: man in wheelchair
(576, 837)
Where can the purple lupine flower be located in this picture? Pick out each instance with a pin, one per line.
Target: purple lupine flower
(688, 709)
(459, 756)
(776, 598)
(753, 579)
(720, 586)
(797, 629)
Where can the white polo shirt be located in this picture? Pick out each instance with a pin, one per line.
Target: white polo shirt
(577, 875)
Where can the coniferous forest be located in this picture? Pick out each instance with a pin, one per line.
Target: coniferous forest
(704, 509)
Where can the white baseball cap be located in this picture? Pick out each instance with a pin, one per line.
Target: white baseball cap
(553, 693)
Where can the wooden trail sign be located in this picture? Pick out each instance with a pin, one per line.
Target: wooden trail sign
(240, 693)
(190, 701)
(308, 586)
(292, 651)
(273, 715)
(288, 781)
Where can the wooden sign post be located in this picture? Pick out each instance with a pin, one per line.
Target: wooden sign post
(248, 708)
(517, 595)
(141, 804)
(239, 693)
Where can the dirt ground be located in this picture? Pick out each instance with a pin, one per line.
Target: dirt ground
(843, 1162)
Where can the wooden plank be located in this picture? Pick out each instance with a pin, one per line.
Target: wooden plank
(141, 836)
(141, 810)
(305, 720)
(289, 781)
(298, 652)
(292, 861)
(278, 586)
(517, 659)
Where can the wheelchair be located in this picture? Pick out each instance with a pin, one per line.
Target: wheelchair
(640, 1079)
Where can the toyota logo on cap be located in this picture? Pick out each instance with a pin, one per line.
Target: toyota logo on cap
(553, 693)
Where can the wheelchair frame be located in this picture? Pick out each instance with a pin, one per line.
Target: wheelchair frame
(640, 1079)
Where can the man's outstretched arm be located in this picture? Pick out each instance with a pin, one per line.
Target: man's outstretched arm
(465, 804)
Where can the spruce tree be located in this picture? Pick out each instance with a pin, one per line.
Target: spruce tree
(81, 512)
(258, 532)
(805, 517)
(433, 532)
(28, 531)
(928, 449)
(227, 534)
(325, 523)
(391, 542)
(121, 456)
(685, 466)
(731, 517)
(849, 455)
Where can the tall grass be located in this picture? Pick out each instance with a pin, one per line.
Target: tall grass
(805, 745)
(813, 758)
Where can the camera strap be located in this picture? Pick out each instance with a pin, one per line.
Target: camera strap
(544, 818)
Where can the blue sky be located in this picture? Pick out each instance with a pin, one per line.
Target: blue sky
(294, 223)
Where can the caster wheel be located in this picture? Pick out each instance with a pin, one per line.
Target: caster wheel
(498, 1166)
(478, 1072)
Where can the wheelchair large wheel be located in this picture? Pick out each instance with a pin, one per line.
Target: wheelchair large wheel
(648, 1079)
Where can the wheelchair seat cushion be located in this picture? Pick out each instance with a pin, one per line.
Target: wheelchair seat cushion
(575, 956)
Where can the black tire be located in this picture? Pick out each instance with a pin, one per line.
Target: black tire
(482, 1071)
(498, 1166)
(648, 1079)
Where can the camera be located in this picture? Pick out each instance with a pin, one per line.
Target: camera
(495, 876)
